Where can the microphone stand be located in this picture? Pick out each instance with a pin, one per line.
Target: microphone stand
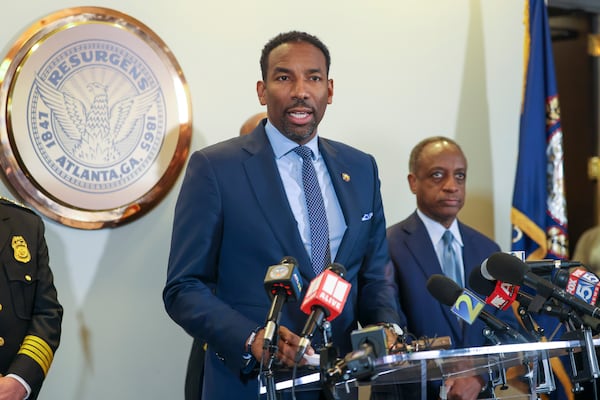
(490, 334)
(327, 358)
(589, 361)
(545, 380)
(267, 372)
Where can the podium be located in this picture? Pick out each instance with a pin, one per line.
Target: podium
(529, 373)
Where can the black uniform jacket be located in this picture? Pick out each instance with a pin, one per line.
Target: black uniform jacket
(30, 314)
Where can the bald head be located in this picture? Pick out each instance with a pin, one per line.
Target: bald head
(249, 125)
(417, 151)
(438, 177)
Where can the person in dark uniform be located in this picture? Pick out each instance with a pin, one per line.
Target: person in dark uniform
(30, 314)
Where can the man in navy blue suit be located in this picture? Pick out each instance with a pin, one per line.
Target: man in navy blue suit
(241, 209)
(194, 374)
(437, 176)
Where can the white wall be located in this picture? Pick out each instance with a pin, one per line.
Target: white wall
(403, 70)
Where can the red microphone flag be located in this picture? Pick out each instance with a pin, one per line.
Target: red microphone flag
(329, 291)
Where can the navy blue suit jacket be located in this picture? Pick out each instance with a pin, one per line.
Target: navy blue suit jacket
(414, 261)
(233, 220)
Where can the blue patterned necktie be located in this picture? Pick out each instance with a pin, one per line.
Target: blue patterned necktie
(449, 261)
(317, 218)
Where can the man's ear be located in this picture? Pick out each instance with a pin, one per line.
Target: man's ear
(412, 183)
(260, 91)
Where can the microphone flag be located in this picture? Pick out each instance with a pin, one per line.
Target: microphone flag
(468, 306)
(329, 291)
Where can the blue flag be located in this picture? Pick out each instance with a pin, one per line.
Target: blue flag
(539, 212)
(539, 208)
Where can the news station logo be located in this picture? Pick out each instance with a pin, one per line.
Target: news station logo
(334, 291)
(279, 271)
(503, 295)
(468, 306)
(328, 289)
(583, 284)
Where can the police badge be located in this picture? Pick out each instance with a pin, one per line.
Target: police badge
(20, 250)
(103, 116)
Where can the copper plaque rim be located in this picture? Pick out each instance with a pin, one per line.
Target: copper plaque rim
(14, 167)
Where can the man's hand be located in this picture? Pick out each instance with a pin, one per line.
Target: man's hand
(287, 347)
(391, 340)
(392, 337)
(465, 388)
(11, 389)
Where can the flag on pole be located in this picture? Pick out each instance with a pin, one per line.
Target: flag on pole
(539, 208)
(539, 211)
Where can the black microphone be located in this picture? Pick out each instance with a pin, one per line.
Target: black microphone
(325, 299)
(508, 268)
(447, 292)
(282, 283)
(542, 267)
(493, 289)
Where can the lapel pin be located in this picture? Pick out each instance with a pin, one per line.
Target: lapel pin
(345, 177)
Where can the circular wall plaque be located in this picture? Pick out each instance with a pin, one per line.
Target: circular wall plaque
(96, 117)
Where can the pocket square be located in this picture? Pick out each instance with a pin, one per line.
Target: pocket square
(367, 216)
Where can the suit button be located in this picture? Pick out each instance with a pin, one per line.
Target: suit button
(1, 341)
(28, 278)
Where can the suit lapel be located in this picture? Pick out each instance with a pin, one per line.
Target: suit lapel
(470, 260)
(263, 174)
(421, 248)
(346, 194)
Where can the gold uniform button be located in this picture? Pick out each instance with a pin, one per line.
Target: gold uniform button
(1, 341)
(0, 307)
(28, 278)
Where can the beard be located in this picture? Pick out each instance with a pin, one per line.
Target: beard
(299, 133)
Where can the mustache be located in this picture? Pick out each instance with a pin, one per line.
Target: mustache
(300, 103)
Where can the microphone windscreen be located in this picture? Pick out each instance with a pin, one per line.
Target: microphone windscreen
(288, 260)
(480, 284)
(561, 278)
(444, 289)
(337, 268)
(506, 268)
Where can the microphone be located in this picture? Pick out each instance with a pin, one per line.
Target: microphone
(501, 295)
(498, 294)
(447, 292)
(508, 268)
(579, 282)
(282, 283)
(543, 267)
(325, 299)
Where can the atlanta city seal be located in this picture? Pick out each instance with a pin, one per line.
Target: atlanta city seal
(98, 117)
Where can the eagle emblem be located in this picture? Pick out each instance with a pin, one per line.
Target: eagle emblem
(96, 128)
